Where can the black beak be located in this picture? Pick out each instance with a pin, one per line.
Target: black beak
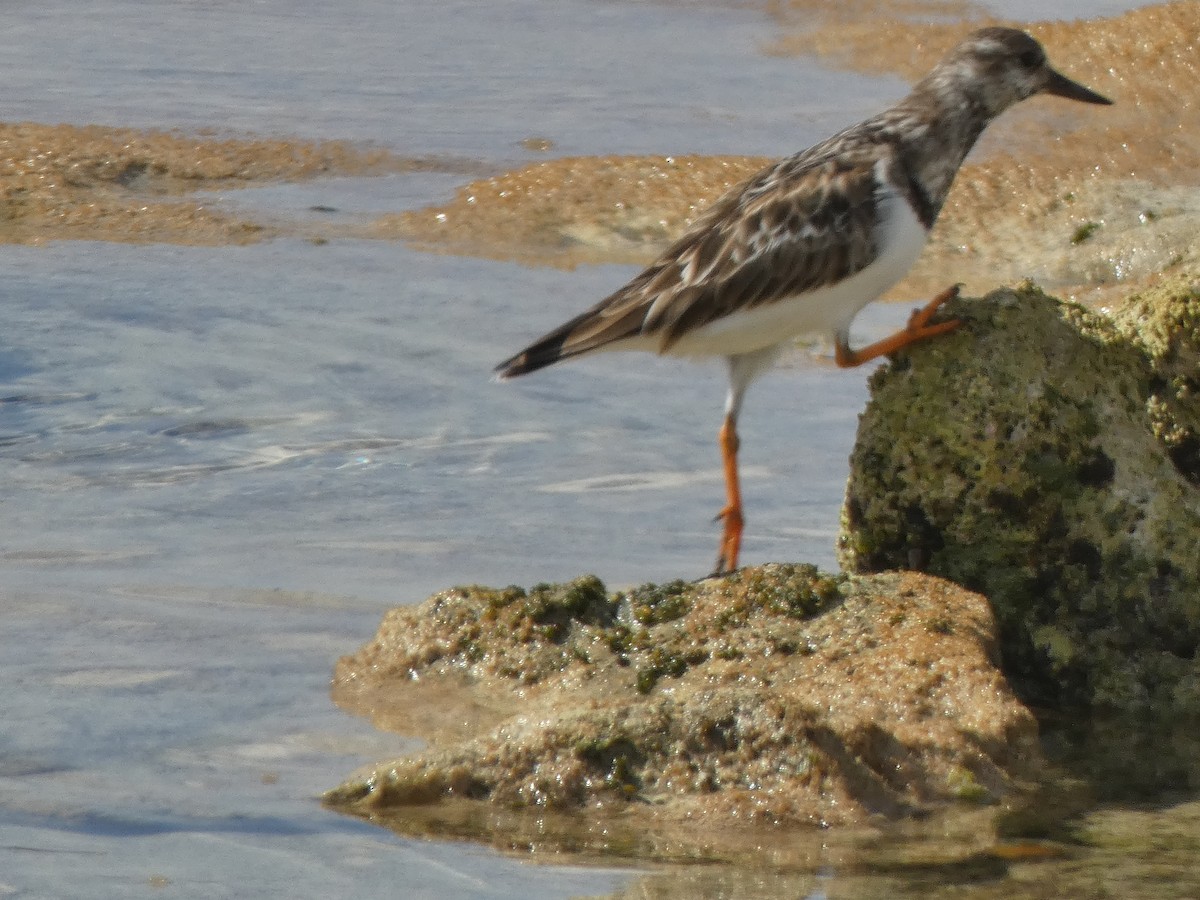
(1061, 86)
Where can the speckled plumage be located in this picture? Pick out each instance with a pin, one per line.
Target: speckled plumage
(802, 246)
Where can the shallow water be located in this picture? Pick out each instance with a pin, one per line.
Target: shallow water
(464, 78)
(222, 465)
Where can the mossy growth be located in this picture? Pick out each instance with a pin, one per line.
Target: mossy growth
(796, 591)
(527, 636)
(616, 760)
(1084, 232)
(556, 607)
(652, 604)
(667, 661)
(1017, 457)
(511, 632)
(963, 785)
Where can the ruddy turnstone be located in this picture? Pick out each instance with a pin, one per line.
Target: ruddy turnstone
(802, 246)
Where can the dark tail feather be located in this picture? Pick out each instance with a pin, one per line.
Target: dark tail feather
(608, 322)
(536, 356)
(548, 349)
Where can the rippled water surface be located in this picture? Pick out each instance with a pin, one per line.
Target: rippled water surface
(222, 465)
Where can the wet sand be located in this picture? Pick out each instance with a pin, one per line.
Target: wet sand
(89, 182)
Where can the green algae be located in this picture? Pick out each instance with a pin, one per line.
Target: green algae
(1084, 232)
(963, 785)
(1017, 458)
(529, 635)
(797, 591)
(616, 760)
(652, 604)
(557, 609)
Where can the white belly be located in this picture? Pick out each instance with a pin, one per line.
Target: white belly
(824, 311)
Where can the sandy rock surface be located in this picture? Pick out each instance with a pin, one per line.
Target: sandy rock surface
(777, 695)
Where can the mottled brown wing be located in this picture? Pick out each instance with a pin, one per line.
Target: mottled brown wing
(798, 232)
(805, 222)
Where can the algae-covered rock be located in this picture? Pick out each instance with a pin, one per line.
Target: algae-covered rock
(1046, 456)
(775, 695)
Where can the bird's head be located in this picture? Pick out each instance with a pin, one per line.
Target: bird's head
(1002, 66)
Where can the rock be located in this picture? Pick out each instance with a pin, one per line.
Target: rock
(1048, 457)
(775, 695)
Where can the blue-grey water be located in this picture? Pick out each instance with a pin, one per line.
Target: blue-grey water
(220, 466)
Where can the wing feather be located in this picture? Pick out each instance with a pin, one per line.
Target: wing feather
(815, 227)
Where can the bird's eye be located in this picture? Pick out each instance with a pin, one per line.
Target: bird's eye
(1030, 59)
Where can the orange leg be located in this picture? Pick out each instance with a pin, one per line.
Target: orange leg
(731, 515)
(918, 329)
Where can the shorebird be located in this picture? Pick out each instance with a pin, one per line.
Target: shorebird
(803, 245)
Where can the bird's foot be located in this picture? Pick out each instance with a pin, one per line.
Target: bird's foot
(918, 329)
(731, 541)
(919, 320)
